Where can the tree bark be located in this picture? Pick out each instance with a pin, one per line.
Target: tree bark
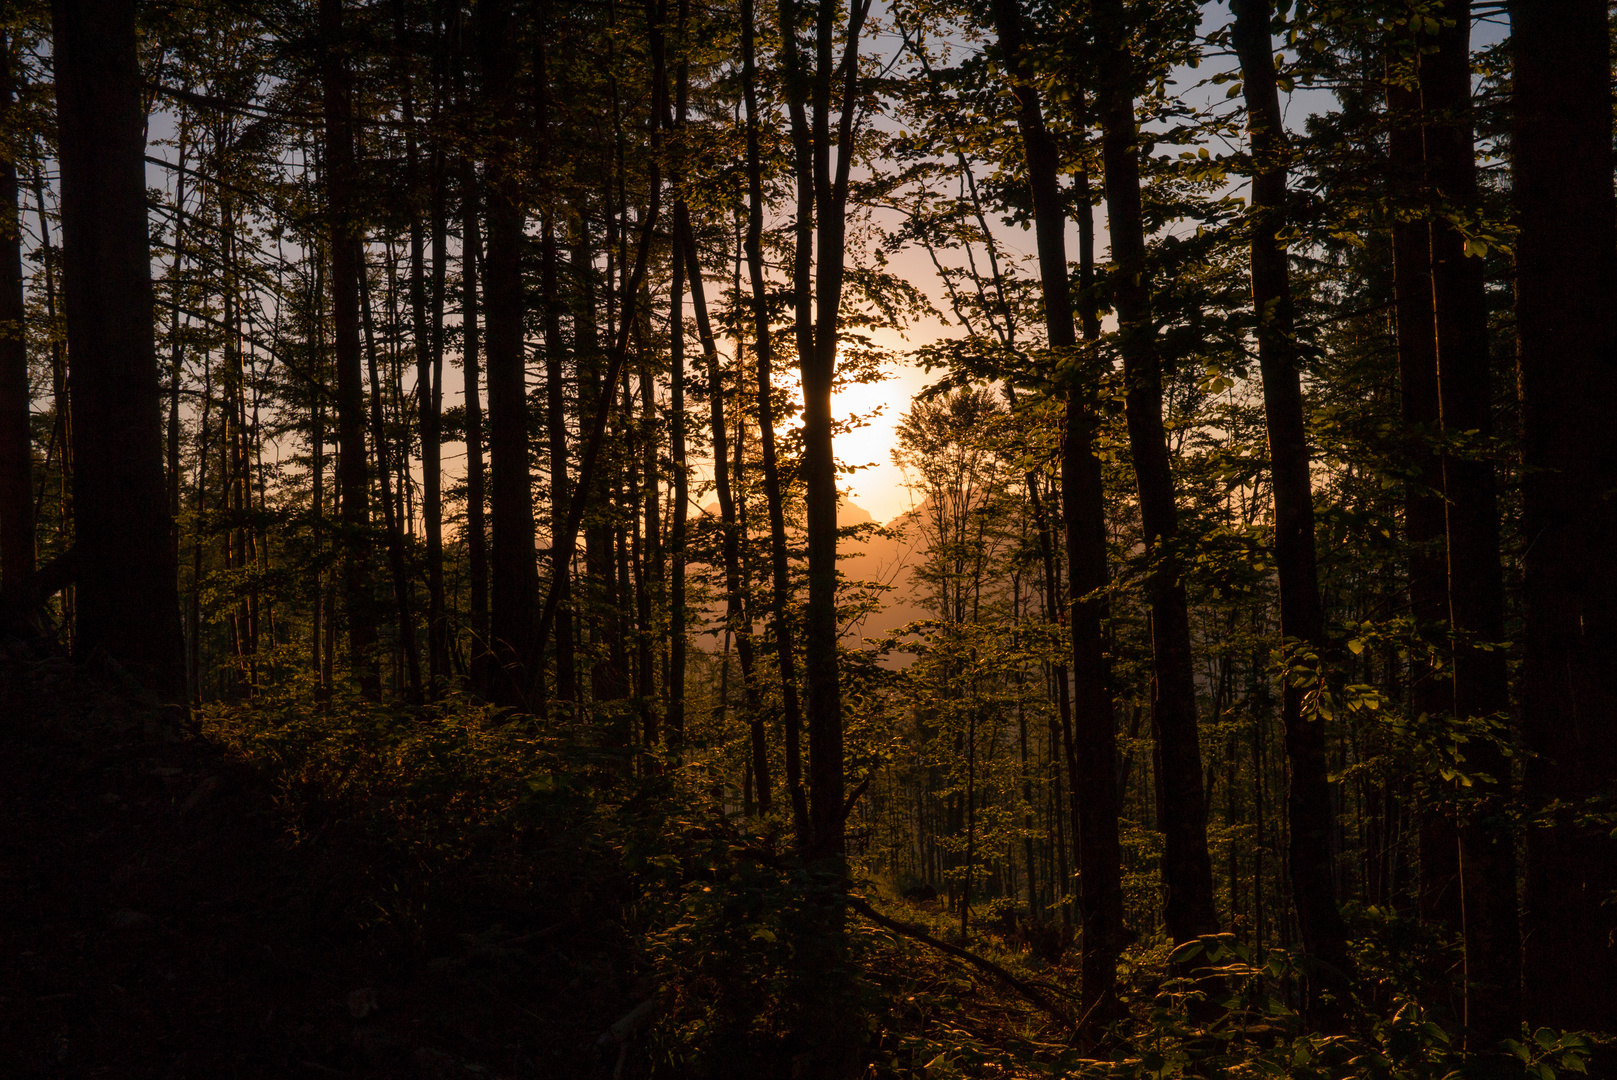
(678, 510)
(515, 576)
(1566, 277)
(1093, 745)
(476, 496)
(1186, 866)
(127, 601)
(1475, 578)
(428, 357)
(392, 509)
(736, 614)
(780, 580)
(16, 441)
(1430, 695)
(1302, 618)
(352, 474)
(822, 198)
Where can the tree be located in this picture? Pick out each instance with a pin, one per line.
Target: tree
(1094, 739)
(1431, 695)
(1566, 271)
(1475, 576)
(1302, 619)
(128, 607)
(16, 440)
(822, 215)
(1186, 867)
(515, 575)
(353, 477)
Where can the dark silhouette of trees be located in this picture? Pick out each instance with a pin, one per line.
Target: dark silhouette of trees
(1093, 740)
(1302, 619)
(1186, 869)
(1566, 269)
(16, 441)
(1475, 581)
(126, 605)
(1243, 617)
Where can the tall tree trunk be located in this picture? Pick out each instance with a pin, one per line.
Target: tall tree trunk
(392, 510)
(515, 574)
(822, 200)
(1430, 694)
(352, 475)
(16, 441)
(127, 600)
(1476, 588)
(1186, 866)
(476, 498)
(176, 350)
(817, 281)
(1566, 278)
(650, 568)
(1093, 741)
(1302, 619)
(429, 360)
(593, 434)
(736, 614)
(555, 400)
(62, 429)
(780, 581)
(679, 508)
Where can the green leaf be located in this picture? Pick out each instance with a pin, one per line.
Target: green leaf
(1185, 953)
(1355, 646)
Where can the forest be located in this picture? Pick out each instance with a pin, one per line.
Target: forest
(439, 637)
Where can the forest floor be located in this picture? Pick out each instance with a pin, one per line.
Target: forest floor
(157, 920)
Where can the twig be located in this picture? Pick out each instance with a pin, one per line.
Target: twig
(847, 807)
(910, 930)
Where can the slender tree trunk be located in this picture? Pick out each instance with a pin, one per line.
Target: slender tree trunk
(515, 574)
(780, 581)
(594, 433)
(560, 492)
(650, 568)
(555, 402)
(822, 199)
(1302, 618)
(317, 482)
(476, 498)
(1476, 589)
(429, 359)
(817, 281)
(1566, 278)
(432, 433)
(176, 349)
(127, 600)
(556, 430)
(352, 474)
(1093, 741)
(392, 510)
(16, 440)
(62, 429)
(1186, 866)
(1430, 695)
(736, 614)
(680, 503)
